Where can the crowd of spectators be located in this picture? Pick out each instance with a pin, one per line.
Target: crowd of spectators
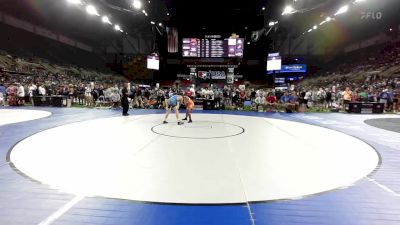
(23, 79)
(370, 80)
(372, 77)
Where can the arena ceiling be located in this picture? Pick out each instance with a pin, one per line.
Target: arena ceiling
(206, 17)
(244, 17)
(72, 20)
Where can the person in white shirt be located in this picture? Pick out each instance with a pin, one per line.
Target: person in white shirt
(32, 89)
(21, 94)
(2, 101)
(259, 102)
(211, 94)
(193, 91)
(88, 96)
(308, 99)
(42, 90)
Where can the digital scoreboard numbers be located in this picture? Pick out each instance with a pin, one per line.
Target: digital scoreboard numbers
(211, 47)
(217, 49)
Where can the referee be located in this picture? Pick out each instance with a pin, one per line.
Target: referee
(124, 100)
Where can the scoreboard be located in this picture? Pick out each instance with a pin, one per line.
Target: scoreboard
(213, 46)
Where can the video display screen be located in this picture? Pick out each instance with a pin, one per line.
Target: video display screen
(213, 47)
(153, 62)
(274, 63)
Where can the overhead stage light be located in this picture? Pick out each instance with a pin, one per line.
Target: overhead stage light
(152, 22)
(342, 10)
(117, 27)
(288, 10)
(76, 2)
(358, 1)
(137, 4)
(105, 19)
(315, 27)
(272, 23)
(92, 10)
(160, 24)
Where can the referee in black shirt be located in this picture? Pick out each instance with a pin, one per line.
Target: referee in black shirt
(125, 101)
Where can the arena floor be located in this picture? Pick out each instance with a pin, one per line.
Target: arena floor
(88, 166)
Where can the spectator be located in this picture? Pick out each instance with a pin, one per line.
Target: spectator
(21, 94)
(2, 95)
(308, 99)
(271, 102)
(390, 100)
(329, 99)
(242, 98)
(253, 95)
(347, 96)
(88, 96)
(383, 97)
(42, 90)
(363, 96)
(12, 98)
(3, 89)
(259, 103)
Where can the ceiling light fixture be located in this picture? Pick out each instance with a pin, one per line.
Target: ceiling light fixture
(90, 9)
(105, 19)
(76, 2)
(288, 10)
(342, 10)
(137, 4)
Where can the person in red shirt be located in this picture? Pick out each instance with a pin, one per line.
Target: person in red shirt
(270, 102)
(242, 98)
(189, 93)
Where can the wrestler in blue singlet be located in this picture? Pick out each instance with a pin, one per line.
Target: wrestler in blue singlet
(173, 101)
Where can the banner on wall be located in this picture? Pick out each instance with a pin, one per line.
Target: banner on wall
(172, 35)
(215, 75)
(203, 75)
(183, 76)
(218, 75)
(294, 68)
